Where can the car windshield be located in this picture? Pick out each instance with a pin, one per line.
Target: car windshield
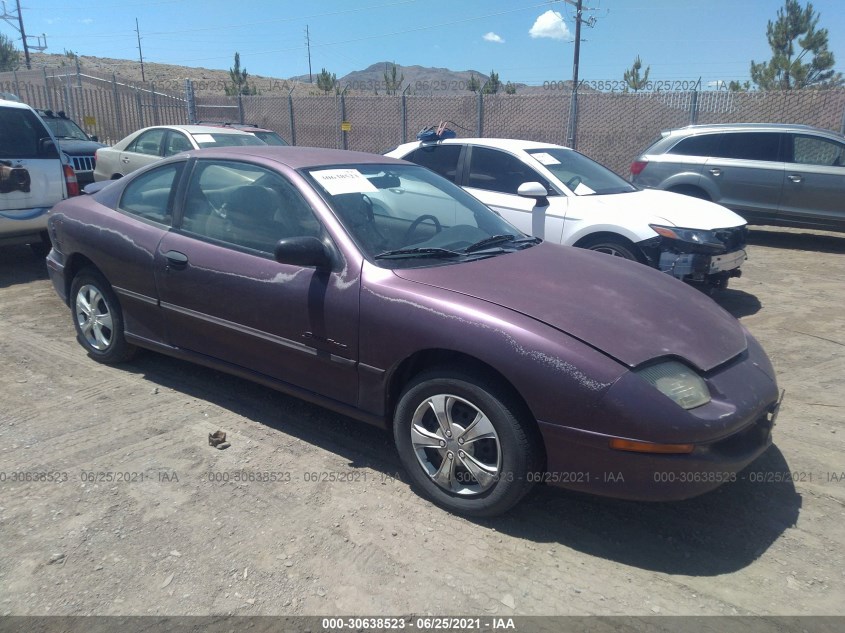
(65, 128)
(582, 176)
(403, 216)
(225, 139)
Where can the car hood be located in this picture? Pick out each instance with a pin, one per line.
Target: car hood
(628, 311)
(78, 148)
(662, 207)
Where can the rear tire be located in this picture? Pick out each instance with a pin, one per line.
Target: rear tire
(98, 319)
(465, 443)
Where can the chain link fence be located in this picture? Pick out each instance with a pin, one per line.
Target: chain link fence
(612, 127)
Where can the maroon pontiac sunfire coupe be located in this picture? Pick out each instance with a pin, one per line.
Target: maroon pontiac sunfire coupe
(378, 289)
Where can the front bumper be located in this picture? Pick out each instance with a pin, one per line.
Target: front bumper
(727, 434)
(701, 267)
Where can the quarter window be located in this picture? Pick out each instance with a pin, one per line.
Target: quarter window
(811, 150)
(245, 205)
(701, 145)
(149, 196)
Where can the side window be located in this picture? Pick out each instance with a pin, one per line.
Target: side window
(750, 146)
(150, 196)
(245, 205)
(20, 134)
(441, 159)
(812, 150)
(177, 142)
(148, 143)
(495, 170)
(700, 145)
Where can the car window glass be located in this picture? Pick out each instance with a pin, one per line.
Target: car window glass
(149, 195)
(699, 145)
(441, 159)
(750, 146)
(20, 134)
(811, 150)
(225, 139)
(147, 143)
(495, 170)
(581, 175)
(245, 205)
(177, 142)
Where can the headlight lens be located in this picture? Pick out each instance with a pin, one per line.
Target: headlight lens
(678, 382)
(693, 236)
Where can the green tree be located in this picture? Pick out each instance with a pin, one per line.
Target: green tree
(240, 80)
(473, 84)
(735, 86)
(10, 58)
(326, 81)
(392, 83)
(632, 76)
(493, 84)
(510, 89)
(800, 58)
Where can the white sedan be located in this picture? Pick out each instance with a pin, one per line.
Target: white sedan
(154, 143)
(555, 193)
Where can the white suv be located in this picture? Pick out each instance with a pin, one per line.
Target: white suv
(33, 176)
(555, 193)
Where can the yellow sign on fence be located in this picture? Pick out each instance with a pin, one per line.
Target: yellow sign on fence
(89, 121)
(345, 126)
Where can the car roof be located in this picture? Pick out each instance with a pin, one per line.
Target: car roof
(14, 104)
(191, 129)
(298, 157)
(500, 143)
(722, 127)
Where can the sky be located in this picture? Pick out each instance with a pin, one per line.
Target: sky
(523, 41)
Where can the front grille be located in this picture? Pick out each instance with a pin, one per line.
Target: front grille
(83, 163)
(734, 238)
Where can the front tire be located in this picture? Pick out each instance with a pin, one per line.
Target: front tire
(98, 319)
(465, 443)
(616, 248)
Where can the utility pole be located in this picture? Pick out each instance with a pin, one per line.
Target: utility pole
(140, 53)
(23, 36)
(572, 139)
(308, 46)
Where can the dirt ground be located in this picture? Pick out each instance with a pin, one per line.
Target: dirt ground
(308, 512)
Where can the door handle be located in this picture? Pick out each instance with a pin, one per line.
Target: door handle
(124, 159)
(716, 171)
(795, 177)
(176, 260)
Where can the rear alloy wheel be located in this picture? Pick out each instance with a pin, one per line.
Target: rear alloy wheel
(98, 319)
(615, 248)
(465, 448)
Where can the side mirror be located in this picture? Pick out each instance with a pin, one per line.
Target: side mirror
(47, 148)
(534, 190)
(94, 138)
(303, 251)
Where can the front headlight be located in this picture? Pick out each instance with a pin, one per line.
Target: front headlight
(678, 382)
(699, 237)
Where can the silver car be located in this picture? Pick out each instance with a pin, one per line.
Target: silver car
(788, 175)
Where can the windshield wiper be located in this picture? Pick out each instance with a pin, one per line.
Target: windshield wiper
(499, 239)
(418, 252)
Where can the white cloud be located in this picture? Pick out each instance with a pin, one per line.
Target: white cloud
(493, 37)
(551, 25)
(87, 21)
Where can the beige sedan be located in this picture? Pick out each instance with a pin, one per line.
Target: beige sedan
(154, 143)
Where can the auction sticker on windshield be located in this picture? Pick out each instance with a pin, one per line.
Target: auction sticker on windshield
(545, 158)
(339, 181)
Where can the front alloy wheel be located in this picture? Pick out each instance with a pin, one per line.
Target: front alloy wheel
(466, 442)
